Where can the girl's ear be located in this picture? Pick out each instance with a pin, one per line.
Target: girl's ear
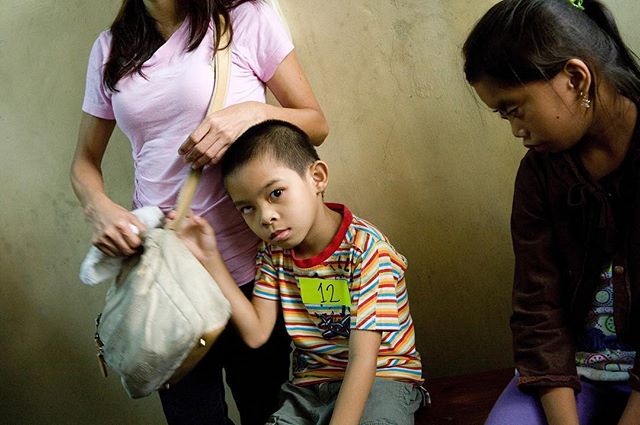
(319, 172)
(579, 75)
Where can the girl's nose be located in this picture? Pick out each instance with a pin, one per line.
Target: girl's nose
(517, 130)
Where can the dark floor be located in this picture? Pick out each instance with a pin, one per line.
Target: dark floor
(463, 400)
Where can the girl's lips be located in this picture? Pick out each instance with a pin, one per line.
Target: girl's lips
(280, 235)
(538, 148)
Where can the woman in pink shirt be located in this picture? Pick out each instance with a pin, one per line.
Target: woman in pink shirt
(150, 74)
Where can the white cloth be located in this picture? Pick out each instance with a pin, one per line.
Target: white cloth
(98, 267)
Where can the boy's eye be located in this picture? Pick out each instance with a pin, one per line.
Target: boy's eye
(245, 210)
(276, 193)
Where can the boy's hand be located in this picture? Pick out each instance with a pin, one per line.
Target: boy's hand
(197, 235)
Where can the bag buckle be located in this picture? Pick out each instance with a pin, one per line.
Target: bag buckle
(100, 347)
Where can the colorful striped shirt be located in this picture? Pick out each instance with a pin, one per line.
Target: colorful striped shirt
(357, 282)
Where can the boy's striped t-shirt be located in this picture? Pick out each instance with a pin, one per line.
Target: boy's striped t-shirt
(357, 282)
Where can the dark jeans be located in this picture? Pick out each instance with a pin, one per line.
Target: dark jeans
(254, 376)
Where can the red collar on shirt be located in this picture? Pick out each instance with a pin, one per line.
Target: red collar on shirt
(347, 217)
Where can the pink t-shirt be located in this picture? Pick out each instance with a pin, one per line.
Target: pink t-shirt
(157, 113)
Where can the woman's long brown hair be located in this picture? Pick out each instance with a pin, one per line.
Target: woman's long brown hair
(135, 37)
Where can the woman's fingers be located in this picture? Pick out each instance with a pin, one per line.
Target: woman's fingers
(119, 239)
(210, 140)
(137, 223)
(106, 247)
(212, 155)
(194, 138)
(128, 241)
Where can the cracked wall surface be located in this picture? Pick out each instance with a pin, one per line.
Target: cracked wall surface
(410, 149)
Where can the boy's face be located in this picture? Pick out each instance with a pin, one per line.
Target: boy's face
(278, 204)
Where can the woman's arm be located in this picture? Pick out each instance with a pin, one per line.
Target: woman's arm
(208, 143)
(111, 231)
(254, 319)
(559, 405)
(358, 379)
(299, 105)
(631, 414)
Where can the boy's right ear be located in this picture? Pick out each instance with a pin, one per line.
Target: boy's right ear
(319, 172)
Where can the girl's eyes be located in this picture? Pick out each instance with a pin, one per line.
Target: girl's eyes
(509, 113)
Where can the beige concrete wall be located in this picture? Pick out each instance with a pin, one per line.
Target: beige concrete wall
(410, 149)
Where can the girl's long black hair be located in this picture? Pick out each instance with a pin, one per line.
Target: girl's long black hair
(135, 37)
(519, 41)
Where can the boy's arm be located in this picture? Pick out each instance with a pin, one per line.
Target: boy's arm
(254, 319)
(358, 378)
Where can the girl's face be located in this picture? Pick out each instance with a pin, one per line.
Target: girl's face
(546, 115)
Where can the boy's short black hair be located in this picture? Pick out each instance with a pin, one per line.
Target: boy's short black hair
(280, 140)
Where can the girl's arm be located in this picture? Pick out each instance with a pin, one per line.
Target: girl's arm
(544, 347)
(559, 406)
(358, 378)
(254, 319)
(631, 414)
(111, 230)
(208, 143)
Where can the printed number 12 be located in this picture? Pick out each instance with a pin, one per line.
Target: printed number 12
(322, 290)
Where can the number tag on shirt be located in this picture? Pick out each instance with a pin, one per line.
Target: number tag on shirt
(324, 291)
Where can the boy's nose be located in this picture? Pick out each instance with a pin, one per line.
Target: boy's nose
(268, 217)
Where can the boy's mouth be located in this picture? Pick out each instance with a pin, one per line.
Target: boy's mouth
(279, 235)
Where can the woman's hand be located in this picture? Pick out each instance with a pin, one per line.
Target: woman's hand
(208, 143)
(198, 235)
(112, 228)
(211, 139)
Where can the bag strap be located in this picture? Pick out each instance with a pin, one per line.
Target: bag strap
(221, 65)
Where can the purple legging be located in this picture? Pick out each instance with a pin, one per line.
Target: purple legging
(599, 403)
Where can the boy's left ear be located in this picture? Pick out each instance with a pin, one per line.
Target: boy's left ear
(579, 75)
(319, 172)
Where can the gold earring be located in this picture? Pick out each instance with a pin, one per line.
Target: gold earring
(585, 102)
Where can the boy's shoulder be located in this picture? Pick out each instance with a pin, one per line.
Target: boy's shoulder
(363, 230)
(367, 238)
(359, 237)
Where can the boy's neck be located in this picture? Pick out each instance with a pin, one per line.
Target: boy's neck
(322, 232)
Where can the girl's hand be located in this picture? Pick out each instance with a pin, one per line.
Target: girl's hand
(631, 414)
(208, 143)
(197, 235)
(559, 405)
(112, 228)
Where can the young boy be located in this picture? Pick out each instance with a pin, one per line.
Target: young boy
(338, 279)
